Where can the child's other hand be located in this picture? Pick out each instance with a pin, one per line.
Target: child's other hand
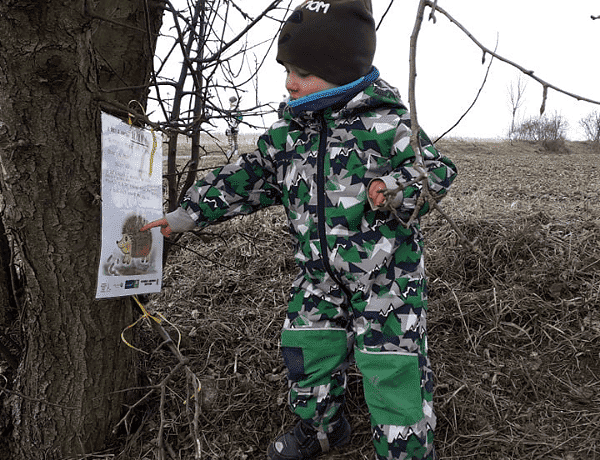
(378, 198)
(165, 228)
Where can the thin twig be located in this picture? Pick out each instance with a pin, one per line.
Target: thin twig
(385, 14)
(414, 124)
(228, 45)
(487, 72)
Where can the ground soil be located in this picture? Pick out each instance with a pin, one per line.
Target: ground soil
(514, 321)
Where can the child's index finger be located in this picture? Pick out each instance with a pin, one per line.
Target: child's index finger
(156, 223)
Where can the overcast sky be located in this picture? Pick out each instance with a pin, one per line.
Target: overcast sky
(557, 40)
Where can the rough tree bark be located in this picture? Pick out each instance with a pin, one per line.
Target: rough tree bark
(5, 279)
(57, 61)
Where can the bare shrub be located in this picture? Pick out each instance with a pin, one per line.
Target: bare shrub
(591, 128)
(549, 131)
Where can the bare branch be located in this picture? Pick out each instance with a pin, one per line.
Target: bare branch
(243, 33)
(432, 13)
(414, 124)
(425, 196)
(530, 73)
(544, 98)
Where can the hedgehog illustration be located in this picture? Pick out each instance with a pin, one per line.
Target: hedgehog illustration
(135, 244)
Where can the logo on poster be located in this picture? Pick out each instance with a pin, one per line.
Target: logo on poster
(132, 284)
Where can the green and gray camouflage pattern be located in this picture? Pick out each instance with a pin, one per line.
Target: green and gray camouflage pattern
(361, 290)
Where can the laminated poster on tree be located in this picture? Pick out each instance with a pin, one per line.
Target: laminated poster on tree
(130, 260)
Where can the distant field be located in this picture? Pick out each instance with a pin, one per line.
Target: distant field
(215, 143)
(499, 177)
(514, 328)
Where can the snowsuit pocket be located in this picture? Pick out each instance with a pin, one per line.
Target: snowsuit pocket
(392, 386)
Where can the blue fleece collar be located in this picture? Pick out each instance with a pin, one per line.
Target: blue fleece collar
(323, 99)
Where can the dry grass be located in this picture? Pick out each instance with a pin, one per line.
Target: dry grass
(514, 336)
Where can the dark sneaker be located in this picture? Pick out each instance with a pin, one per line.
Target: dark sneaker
(303, 442)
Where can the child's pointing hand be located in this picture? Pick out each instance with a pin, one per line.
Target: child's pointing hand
(165, 228)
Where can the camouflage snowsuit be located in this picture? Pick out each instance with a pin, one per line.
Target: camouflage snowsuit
(361, 290)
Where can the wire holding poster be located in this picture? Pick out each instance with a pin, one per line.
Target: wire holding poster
(130, 260)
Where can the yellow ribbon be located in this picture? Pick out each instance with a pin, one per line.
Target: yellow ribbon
(147, 315)
(153, 150)
(144, 315)
(130, 122)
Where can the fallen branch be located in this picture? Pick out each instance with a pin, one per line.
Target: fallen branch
(193, 381)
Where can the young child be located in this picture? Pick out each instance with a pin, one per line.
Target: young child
(360, 293)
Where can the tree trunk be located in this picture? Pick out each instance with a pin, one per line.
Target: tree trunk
(68, 388)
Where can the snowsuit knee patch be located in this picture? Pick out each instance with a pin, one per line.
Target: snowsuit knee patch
(392, 386)
(311, 356)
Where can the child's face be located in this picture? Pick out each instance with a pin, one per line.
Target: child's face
(300, 83)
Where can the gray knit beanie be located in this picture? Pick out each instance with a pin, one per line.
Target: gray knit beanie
(334, 39)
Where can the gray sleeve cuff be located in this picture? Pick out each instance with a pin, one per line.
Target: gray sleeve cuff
(180, 221)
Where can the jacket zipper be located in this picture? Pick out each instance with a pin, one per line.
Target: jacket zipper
(322, 202)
